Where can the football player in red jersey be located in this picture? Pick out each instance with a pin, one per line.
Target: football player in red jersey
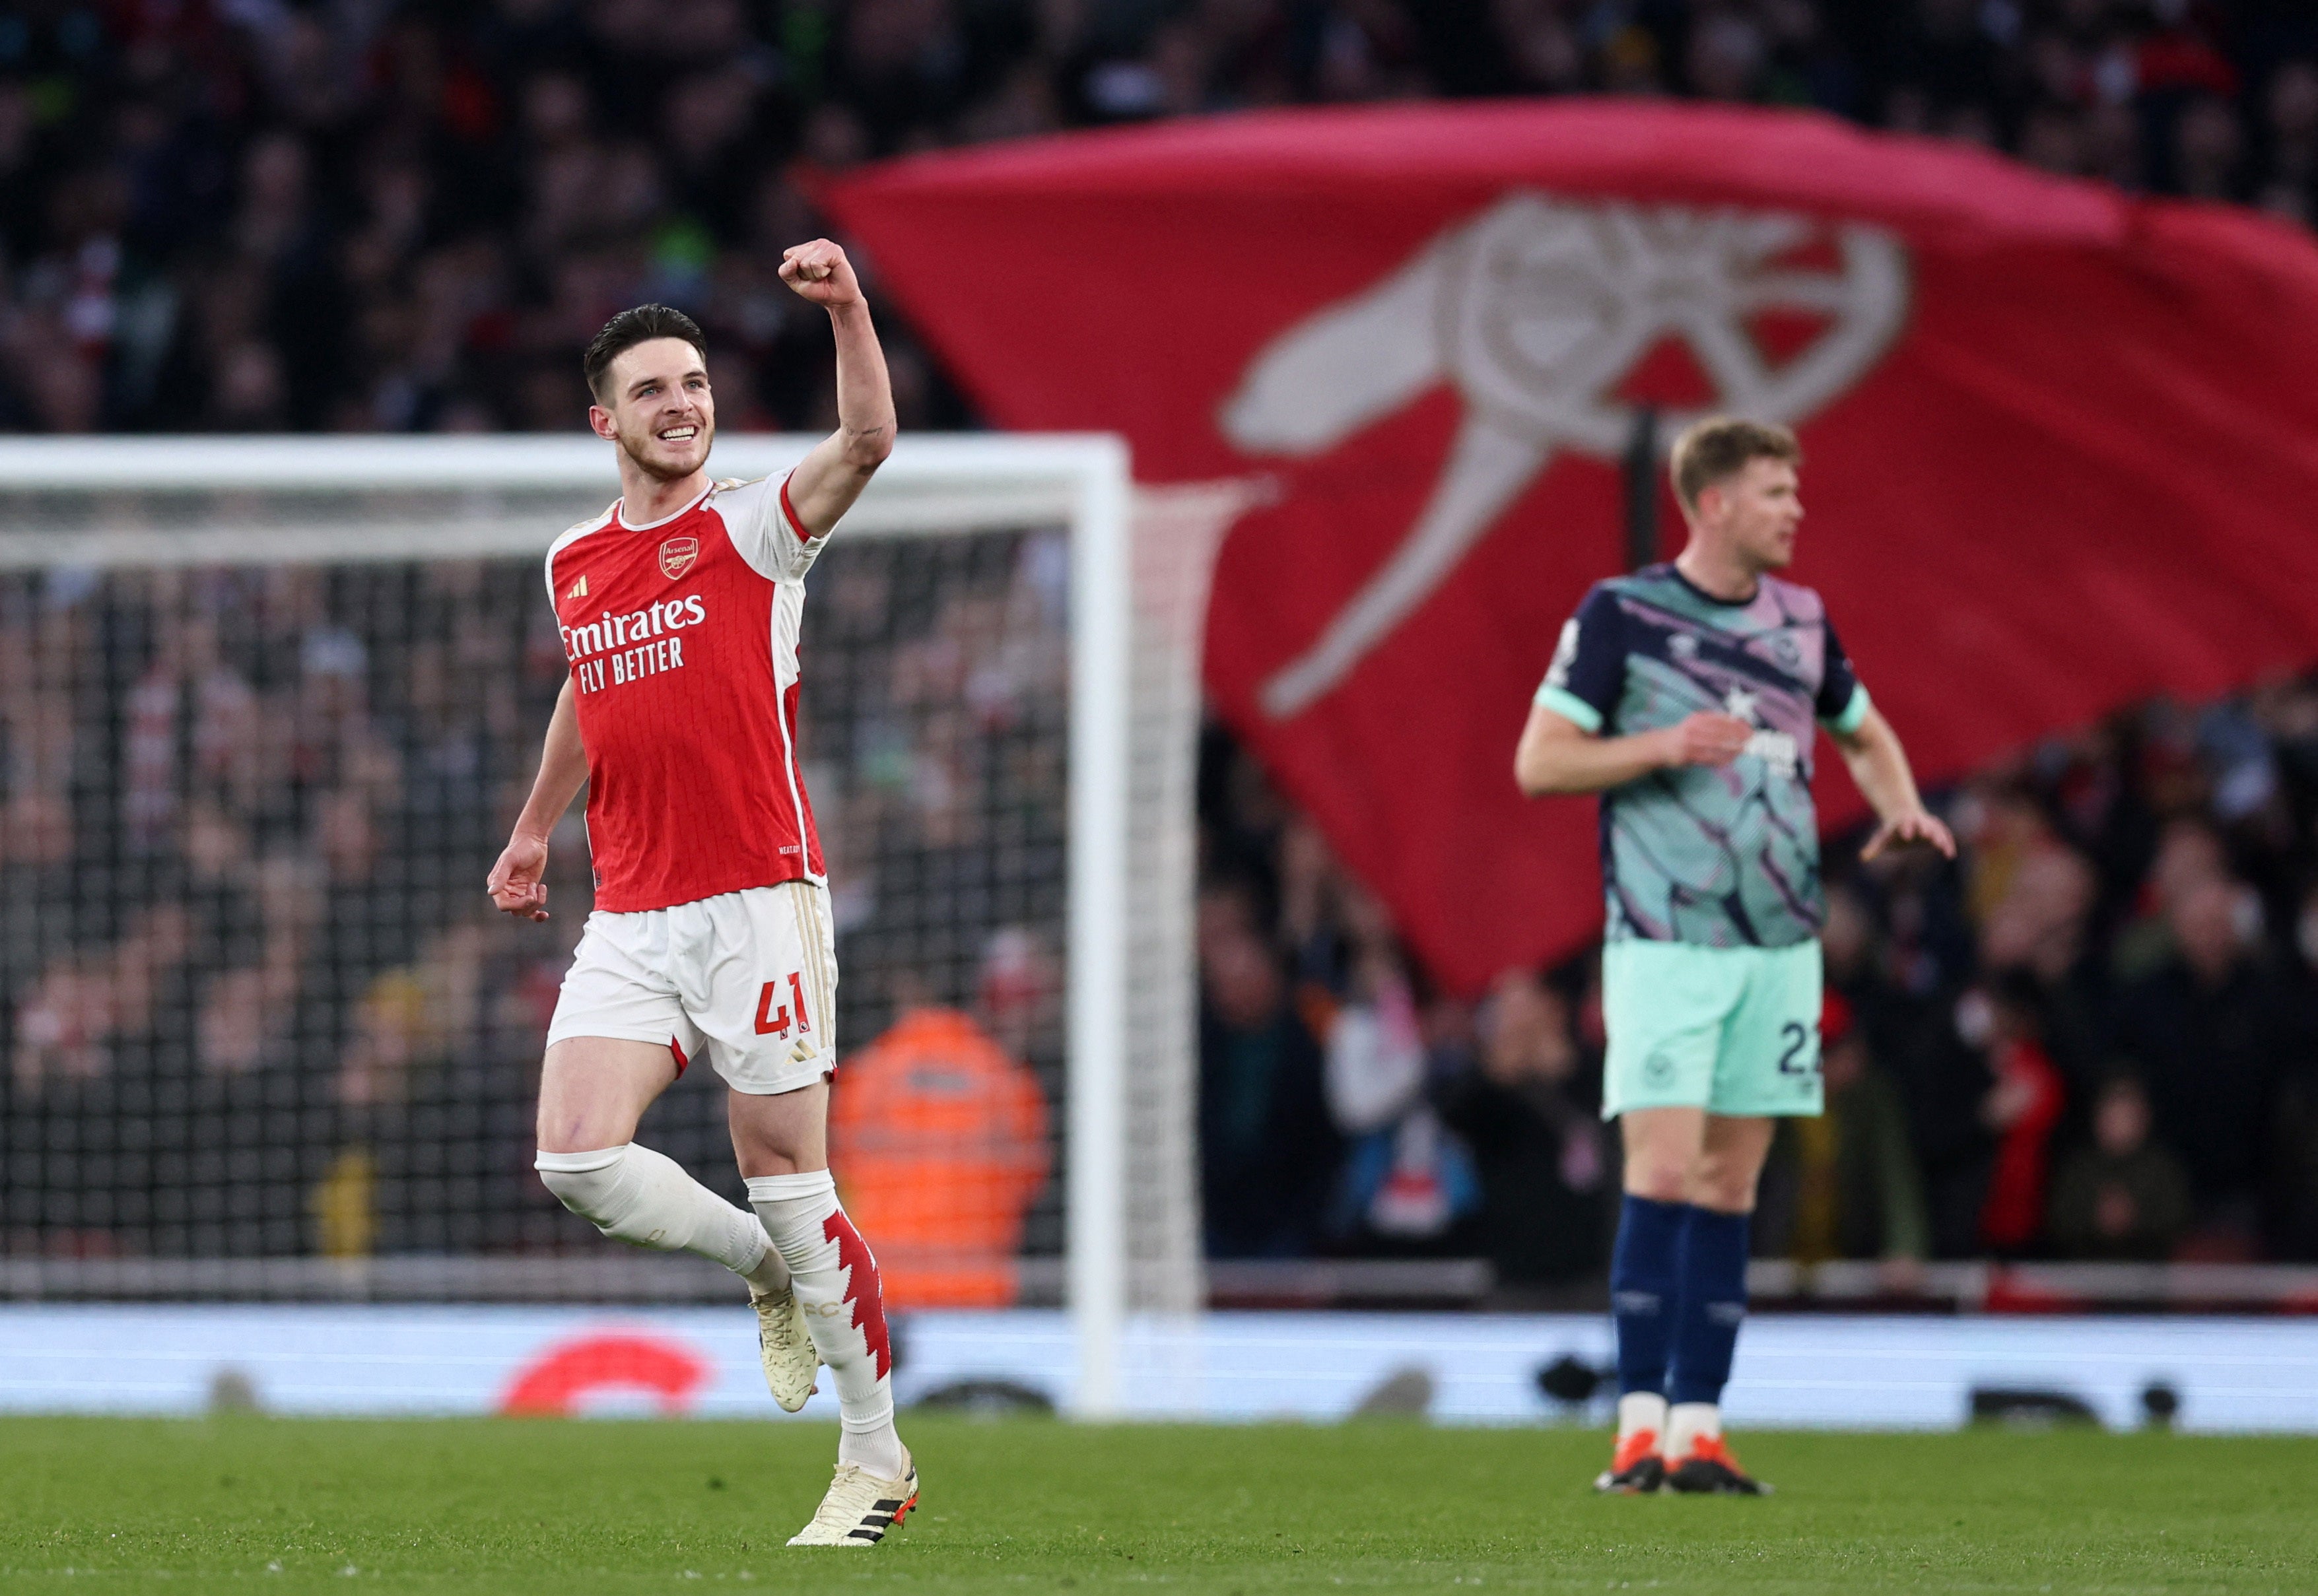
(679, 608)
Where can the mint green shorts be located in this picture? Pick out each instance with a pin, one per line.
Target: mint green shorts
(1732, 1030)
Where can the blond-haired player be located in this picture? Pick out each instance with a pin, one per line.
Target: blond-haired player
(1687, 694)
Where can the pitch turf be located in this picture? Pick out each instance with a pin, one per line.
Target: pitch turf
(257, 1505)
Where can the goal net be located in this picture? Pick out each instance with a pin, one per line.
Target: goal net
(267, 710)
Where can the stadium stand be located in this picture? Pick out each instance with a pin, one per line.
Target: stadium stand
(2091, 1039)
(257, 1005)
(402, 217)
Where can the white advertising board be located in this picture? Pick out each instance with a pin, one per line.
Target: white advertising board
(1810, 1371)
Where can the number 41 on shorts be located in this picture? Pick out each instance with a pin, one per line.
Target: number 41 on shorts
(772, 1024)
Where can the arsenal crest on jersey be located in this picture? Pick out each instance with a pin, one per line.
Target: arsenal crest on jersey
(676, 555)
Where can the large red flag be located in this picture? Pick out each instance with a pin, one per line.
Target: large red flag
(2063, 444)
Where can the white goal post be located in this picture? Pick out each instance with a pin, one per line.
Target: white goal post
(1130, 1205)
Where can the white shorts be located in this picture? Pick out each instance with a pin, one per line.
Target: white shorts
(748, 977)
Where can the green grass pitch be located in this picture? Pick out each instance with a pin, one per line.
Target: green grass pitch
(252, 1504)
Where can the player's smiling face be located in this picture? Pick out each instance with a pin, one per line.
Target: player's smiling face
(661, 413)
(1760, 508)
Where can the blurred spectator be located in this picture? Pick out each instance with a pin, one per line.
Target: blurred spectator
(2209, 1031)
(943, 1139)
(1019, 994)
(1407, 1181)
(1946, 1089)
(2291, 162)
(2021, 1110)
(2189, 853)
(2124, 1196)
(2037, 934)
(1848, 1181)
(1268, 1155)
(415, 1016)
(1548, 1178)
(86, 1006)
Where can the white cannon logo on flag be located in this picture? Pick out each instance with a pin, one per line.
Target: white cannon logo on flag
(1536, 310)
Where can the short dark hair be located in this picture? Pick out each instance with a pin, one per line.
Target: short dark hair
(1718, 447)
(629, 328)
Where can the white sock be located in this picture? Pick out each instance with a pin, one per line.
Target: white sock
(1642, 1410)
(770, 1277)
(836, 1283)
(1688, 1423)
(633, 1194)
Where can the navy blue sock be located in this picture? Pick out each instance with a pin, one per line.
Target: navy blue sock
(1711, 1303)
(1642, 1295)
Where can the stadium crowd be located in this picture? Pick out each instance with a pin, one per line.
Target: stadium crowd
(256, 214)
(2090, 1039)
(253, 1000)
(2094, 1036)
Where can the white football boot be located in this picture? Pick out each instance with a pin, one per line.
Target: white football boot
(785, 1346)
(860, 1507)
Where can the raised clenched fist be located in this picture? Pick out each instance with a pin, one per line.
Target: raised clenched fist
(821, 273)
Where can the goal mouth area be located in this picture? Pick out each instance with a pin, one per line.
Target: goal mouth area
(98, 508)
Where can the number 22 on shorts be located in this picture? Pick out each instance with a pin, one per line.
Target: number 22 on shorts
(772, 1024)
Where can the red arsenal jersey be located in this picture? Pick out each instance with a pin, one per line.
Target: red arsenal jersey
(682, 637)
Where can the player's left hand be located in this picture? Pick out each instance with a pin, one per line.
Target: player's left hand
(517, 882)
(1917, 825)
(821, 273)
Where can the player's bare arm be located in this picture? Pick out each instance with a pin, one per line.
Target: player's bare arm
(517, 882)
(1880, 766)
(828, 480)
(1557, 754)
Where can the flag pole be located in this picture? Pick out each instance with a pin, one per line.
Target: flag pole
(1641, 474)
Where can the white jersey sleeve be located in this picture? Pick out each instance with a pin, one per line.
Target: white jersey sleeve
(764, 528)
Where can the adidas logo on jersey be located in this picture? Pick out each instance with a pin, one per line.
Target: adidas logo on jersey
(579, 588)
